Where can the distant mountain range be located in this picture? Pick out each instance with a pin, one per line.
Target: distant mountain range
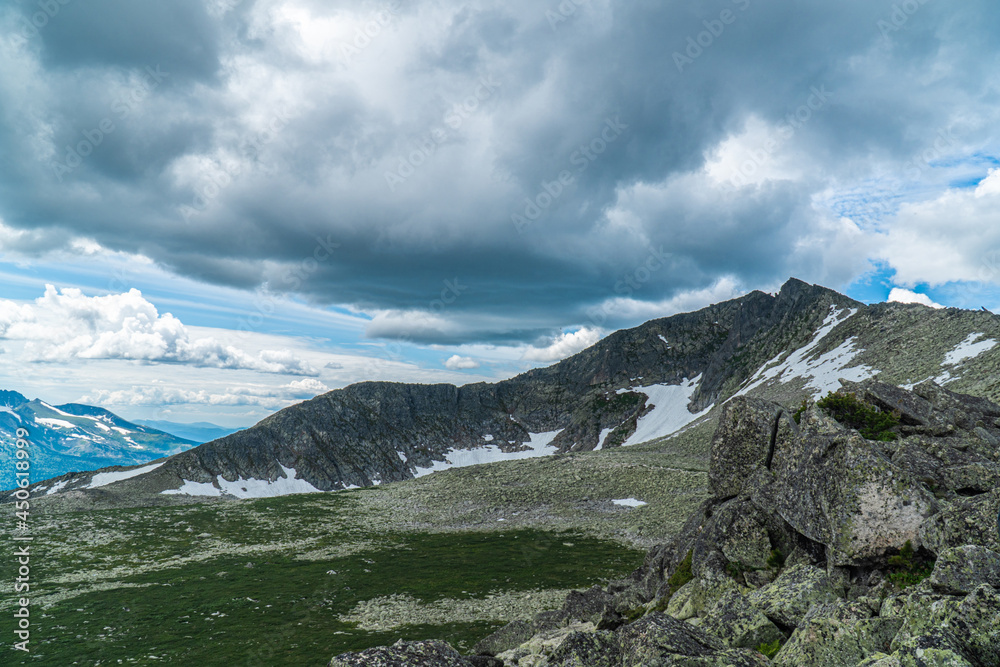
(72, 438)
(636, 385)
(198, 431)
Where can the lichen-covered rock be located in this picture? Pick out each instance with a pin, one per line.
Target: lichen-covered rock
(736, 622)
(840, 632)
(404, 654)
(964, 521)
(506, 638)
(840, 491)
(787, 600)
(658, 639)
(977, 621)
(745, 540)
(742, 443)
(594, 649)
(961, 570)
(695, 598)
(940, 648)
(922, 610)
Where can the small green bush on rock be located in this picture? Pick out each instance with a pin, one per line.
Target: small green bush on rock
(909, 568)
(770, 650)
(682, 575)
(871, 423)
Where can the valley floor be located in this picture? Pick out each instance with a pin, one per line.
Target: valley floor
(295, 580)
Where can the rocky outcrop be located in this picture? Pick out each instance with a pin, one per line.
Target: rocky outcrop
(818, 547)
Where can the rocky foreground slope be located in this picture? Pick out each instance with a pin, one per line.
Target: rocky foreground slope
(869, 541)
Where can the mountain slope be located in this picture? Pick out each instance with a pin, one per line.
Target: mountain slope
(75, 437)
(635, 385)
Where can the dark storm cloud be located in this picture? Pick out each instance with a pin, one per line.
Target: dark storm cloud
(372, 169)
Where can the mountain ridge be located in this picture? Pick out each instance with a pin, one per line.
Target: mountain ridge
(663, 374)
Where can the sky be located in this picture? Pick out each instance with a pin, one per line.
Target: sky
(210, 210)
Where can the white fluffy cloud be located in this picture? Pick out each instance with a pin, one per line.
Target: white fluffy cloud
(253, 395)
(900, 295)
(565, 345)
(459, 363)
(66, 325)
(951, 238)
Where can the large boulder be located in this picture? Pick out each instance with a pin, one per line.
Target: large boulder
(742, 443)
(961, 570)
(787, 600)
(736, 622)
(658, 639)
(964, 521)
(837, 633)
(839, 490)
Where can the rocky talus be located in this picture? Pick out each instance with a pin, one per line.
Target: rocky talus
(819, 546)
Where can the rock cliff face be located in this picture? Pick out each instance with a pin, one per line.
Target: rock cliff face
(818, 546)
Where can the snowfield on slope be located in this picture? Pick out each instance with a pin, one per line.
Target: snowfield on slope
(969, 349)
(670, 412)
(539, 444)
(248, 488)
(822, 374)
(105, 478)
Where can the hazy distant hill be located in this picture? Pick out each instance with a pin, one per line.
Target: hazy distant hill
(198, 431)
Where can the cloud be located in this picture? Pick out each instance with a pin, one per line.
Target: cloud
(65, 325)
(565, 345)
(458, 363)
(251, 395)
(256, 153)
(900, 295)
(949, 238)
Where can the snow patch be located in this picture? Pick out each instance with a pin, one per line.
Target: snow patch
(105, 478)
(665, 341)
(488, 438)
(604, 436)
(539, 444)
(629, 502)
(58, 486)
(54, 423)
(194, 489)
(249, 488)
(119, 429)
(670, 412)
(56, 410)
(402, 456)
(821, 373)
(969, 349)
(7, 409)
